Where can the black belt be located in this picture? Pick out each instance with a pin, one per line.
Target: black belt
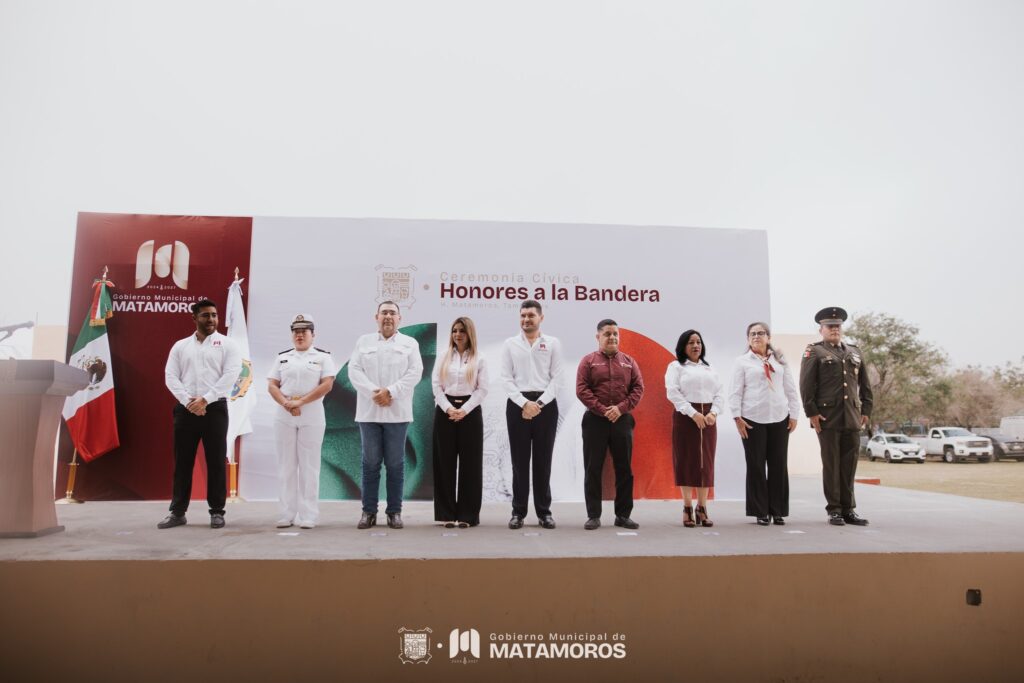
(532, 395)
(457, 401)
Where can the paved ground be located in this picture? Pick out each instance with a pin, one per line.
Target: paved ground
(901, 521)
(1003, 480)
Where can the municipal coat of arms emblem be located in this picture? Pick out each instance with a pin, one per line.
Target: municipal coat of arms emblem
(414, 646)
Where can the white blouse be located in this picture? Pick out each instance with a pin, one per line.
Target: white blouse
(693, 383)
(456, 384)
(755, 398)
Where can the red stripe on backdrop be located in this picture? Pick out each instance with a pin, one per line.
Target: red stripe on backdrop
(151, 299)
(93, 427)
(652, 438)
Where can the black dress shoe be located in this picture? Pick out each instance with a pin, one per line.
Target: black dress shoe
(463, 525)
(836, 519)
(779, 521)
(367, 520)
(592, 523)
(516, 522)
(216, 521)
(547, 521)
(626, 522)
(171, 520)
(852, 518)
(395, 520)
(762, 521)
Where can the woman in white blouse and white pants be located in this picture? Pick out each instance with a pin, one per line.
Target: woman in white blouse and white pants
(460, 385)
(765, 406)
(695, 391)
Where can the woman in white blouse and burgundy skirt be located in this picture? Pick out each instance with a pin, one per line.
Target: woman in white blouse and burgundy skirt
(765, 406)
(460, 385)
(694, 389)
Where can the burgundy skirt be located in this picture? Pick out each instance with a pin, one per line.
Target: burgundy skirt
(693, 454)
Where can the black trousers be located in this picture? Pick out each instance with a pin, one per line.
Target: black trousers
(212, 430)
(534, 437)
(599, 436)
(458, 454)
(766, 449)
(839, 451)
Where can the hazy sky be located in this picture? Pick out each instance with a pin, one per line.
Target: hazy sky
(880, 144)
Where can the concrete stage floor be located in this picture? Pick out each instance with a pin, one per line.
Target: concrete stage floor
(902, 521)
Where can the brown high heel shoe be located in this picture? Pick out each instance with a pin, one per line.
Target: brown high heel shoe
(702, 516)
(688, 517)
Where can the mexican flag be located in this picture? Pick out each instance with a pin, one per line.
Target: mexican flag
(89, 413)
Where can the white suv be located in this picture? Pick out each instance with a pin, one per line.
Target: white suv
(894, 448)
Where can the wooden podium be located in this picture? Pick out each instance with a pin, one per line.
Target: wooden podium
(31, 399)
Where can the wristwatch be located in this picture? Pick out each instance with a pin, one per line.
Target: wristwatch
(540, 403)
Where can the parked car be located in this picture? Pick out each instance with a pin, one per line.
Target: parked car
(1006, 447)
(894, 448)
(955, 444)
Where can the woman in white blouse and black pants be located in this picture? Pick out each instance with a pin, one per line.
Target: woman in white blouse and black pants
(694, 389)
(460, 385)
(765, 406)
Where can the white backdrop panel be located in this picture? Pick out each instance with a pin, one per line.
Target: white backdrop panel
(332, 268)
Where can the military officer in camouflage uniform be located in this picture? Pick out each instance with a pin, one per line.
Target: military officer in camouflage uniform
(837, 398)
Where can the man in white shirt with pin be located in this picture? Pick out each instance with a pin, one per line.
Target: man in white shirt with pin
(384, 369)
(201, 371)
(531, 364)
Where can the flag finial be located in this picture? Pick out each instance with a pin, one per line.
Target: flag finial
(236, 274)
(105, 271)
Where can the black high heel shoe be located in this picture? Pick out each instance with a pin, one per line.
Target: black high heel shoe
(702, 516)
(688, 517)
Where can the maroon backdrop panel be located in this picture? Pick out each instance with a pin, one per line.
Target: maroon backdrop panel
(159, 265)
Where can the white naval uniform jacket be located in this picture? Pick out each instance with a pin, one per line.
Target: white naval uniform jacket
(299, 373)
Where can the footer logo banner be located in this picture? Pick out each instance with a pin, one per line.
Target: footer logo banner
(464, 646)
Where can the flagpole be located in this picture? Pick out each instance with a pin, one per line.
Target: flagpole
(233, 496)
(69, 494)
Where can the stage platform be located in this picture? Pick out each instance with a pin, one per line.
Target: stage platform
(114, 598)
(902, 521)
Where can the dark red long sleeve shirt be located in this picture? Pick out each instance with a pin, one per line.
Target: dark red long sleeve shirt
(605, 381)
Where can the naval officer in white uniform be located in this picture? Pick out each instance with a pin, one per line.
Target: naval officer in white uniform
(299, 380)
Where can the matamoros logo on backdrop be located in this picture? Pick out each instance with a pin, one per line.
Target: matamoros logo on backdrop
(159, 295)
(464, 645)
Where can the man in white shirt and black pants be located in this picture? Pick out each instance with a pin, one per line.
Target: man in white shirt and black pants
(384, 369)
(201, 371)
(531, 364)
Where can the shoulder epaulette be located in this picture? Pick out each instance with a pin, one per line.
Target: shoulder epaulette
(322, 350)
(285, 351)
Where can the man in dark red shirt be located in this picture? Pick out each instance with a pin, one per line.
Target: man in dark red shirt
(609, 384)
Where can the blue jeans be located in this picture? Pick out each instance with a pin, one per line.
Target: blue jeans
(383, 442)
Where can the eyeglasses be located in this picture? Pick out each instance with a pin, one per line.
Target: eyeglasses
(758, 333)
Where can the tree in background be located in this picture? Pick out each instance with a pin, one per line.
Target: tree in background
(908, 375)
(1010, 378)
(977, 399)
